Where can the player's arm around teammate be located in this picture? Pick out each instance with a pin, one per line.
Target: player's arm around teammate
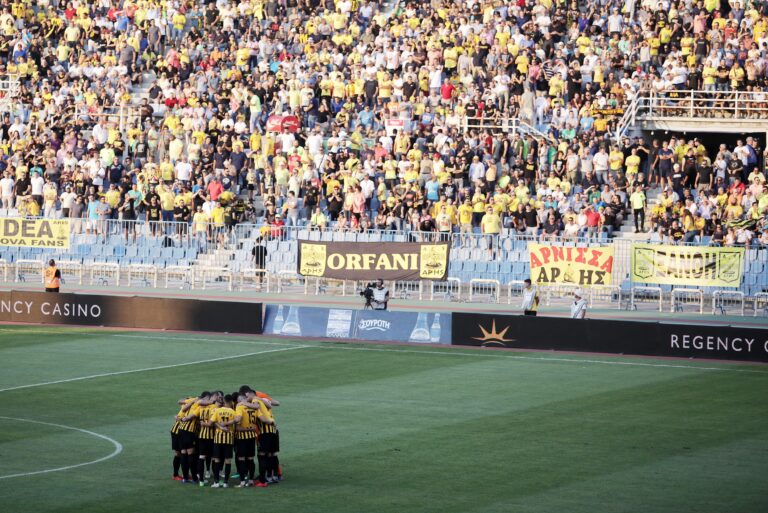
(245, 441)
(223, 419)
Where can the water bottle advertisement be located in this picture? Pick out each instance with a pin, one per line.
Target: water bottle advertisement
(304, 321)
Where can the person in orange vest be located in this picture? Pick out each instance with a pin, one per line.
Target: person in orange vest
(52, 277)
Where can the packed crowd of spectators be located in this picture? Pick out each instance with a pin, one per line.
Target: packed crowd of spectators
(336, 114)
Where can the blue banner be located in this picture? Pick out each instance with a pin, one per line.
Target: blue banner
(374, 325)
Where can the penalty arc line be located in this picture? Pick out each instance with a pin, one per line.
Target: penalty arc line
(478, 354)
(118, 448)
(147, 369)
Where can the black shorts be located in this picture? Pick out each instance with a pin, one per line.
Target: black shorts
(205, 446)
(245, 448)
(186, 439)
(269, 443)
(222, 451)
(175, 442)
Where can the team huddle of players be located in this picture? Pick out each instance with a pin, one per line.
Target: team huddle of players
(212, 427)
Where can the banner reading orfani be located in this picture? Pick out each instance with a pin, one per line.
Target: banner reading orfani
(552, 264)
(34, 233)
(406, 261)
(687, 265)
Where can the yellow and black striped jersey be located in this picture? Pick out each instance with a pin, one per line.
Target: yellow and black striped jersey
(182, 413)
(263, 426)
(193, 413)
(248, 418)
(206, 432)
(221, 416)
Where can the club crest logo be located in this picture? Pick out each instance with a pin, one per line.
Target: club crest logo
(434, 261)
(312, 261)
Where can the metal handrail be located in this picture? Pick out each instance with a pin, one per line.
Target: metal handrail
(698, 103)
(628, 118)
(512, 125)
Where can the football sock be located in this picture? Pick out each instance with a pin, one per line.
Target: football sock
(176, 465)
(240, 466)
(201, 469)
(262, 468)
(227, 471)
(185, 466)
(251, 469)
(216, 471)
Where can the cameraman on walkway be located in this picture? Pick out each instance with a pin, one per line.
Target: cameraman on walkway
(380, 296)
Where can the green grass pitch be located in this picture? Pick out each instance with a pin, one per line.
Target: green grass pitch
(368, 428)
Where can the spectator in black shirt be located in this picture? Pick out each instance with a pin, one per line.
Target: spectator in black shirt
(676, 233)
(689, 169)
(531, 220)
(259, 255)
(718, 236)
(449, 189)
(22, 187)
(735, 169)
(550, 228)
(704, 176)
(335, 203)
(311, 198)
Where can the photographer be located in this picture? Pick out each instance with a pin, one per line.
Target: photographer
(376, 295)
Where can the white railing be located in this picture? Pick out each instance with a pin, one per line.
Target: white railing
(205, 277)
(290, 281)
(122, 115)
(9, 89)
(504, 125)
(70, 270)
(627, 119)
(680, 298)
(515, 290)
(449, 290)
(5, 269)
(557, 292)
(484, 290)
(259, 278)
(760, 303)
(605, 294)
(178, 276)
(105, 274)
(721, 105)
(727, 301)
(408, 290)
(144, 274)
(25, 268)
(649, 295)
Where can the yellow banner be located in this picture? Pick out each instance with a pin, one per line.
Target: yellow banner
(552, 264)
(701, 266)
(34, 233)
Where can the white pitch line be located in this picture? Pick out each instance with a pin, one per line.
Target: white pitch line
(118, 448)
(478, 354)
(547, 359)
(147, 369)
(225, 341)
